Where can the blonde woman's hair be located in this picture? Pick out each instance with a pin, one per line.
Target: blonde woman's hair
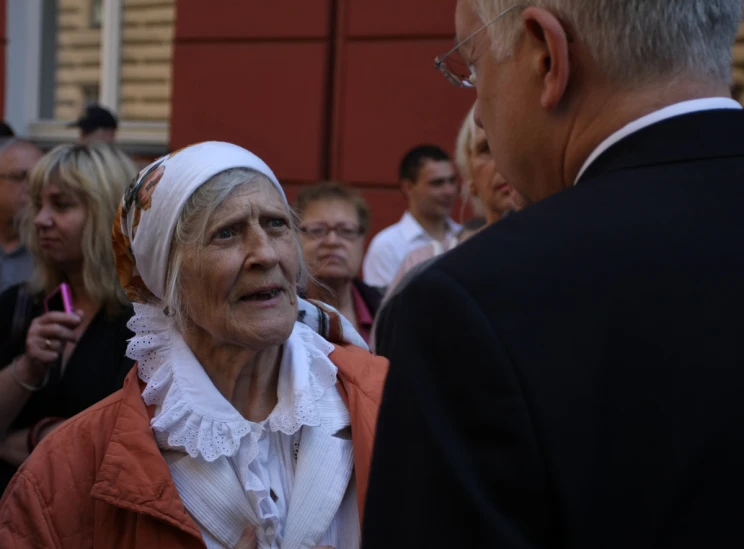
(464, 145)
(98, 173)
(464, 148)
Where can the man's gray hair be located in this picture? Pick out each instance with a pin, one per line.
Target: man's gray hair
(637, 41)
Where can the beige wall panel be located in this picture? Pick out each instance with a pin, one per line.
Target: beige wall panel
(148, 3)
(161, 53)
(83, 75)
(149, 34)
(147, 37)
(135, 71)
(144, 92)
(149, 15)
(78, 56)
(79, 37)
(145, 111)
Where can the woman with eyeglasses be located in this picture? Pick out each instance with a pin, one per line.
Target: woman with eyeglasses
(334, 221)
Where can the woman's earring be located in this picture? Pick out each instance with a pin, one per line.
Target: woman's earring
(167, 312)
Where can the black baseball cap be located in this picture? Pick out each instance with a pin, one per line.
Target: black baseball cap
(93, 118)
(6, 130)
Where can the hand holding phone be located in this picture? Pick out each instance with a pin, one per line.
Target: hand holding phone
(60, 300)
(51, 332)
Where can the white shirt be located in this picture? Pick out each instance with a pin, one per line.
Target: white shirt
(388, 249)
(685, 107)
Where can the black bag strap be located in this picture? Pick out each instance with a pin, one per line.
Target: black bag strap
(21, 315)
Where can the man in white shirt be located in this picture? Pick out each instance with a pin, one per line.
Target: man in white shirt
(428, 181)
(573, 375)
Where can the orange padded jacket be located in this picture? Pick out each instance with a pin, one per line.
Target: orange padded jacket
(99, 481)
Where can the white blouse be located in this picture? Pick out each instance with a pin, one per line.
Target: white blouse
(290, 477)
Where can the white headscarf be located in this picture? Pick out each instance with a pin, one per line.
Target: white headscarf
(147, 218)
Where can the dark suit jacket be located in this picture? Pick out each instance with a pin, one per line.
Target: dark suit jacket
(574, 375)
(382, 316)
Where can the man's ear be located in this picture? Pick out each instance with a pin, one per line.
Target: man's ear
(550, 55)
(406, 185)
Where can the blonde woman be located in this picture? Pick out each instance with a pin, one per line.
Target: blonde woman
(55, 364)
(488, 191)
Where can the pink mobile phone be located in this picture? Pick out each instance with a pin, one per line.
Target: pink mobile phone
(60, 300)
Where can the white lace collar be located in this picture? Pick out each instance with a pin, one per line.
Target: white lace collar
(193, 414)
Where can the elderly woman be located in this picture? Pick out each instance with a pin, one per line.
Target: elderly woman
(333, 223)
(57, 363)
(249, 418)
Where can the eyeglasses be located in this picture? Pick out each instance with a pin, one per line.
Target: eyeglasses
(454, 69)
(316, 232)
(16, 177)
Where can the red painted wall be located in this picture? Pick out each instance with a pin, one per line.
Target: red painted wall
(328, 89)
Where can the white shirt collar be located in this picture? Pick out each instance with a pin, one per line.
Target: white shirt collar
(685, 107)
(412, 229)
(193, 416)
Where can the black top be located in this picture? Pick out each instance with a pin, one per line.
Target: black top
(96, 369)
(573, 376)
(372, 297)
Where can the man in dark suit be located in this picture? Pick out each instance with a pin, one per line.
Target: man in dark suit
(574, 375)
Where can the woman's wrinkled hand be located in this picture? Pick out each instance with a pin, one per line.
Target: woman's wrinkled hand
(48, 335)
(249, 541)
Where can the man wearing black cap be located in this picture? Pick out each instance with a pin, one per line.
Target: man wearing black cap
(96, 124)
(5, 130)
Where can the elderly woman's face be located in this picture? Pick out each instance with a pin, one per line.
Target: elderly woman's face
(239, 286)
(488, 184)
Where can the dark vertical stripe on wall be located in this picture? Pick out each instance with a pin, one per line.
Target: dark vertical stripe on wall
(327, 140)
(48, 83)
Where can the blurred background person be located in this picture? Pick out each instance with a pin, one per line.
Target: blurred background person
(428, 180)
(96, 124)
(489, 193)
(413, 265)
(334, 220)
(6, 130)
(17, 158)
(57, 364)
(418, 259)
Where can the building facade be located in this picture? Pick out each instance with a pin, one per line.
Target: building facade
(321, 89)
(147, 30)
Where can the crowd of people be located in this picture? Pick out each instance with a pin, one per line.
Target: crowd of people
(189, 360)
